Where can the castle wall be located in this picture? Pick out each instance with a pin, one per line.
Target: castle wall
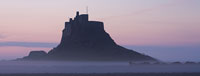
(83, 18)
(99, 26)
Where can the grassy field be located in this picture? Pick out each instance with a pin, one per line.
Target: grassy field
(107, 74)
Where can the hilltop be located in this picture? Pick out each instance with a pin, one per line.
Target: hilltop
(84, 40)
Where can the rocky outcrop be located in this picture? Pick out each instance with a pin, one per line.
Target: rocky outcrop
(36, 55)
(84, 40)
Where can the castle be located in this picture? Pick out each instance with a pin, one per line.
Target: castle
(79, 24)
(84, 40)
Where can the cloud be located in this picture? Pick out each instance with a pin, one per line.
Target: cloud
(29, 44)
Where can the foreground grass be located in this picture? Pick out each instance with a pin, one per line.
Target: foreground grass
(106, 74)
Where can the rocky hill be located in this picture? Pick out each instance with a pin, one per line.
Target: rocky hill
(84, 40)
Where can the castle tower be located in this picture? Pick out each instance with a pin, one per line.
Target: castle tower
(77, 13)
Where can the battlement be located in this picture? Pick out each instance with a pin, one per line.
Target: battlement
(83, 18)
(81, 24)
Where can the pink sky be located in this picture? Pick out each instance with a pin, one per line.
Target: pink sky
(129, 22)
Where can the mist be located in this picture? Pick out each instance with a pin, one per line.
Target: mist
(9, 67)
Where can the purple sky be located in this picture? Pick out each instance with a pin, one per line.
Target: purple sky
(158, 25)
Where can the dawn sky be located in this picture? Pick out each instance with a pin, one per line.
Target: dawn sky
(153, 27)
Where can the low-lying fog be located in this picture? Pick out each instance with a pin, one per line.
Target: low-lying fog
(91, 67)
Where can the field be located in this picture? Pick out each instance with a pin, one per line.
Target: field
(15, 67)
(106, 74)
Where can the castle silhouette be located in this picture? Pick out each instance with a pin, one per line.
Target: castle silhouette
(84, 40)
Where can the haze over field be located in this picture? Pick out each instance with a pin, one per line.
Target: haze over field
(28, 67)
(167, 29)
